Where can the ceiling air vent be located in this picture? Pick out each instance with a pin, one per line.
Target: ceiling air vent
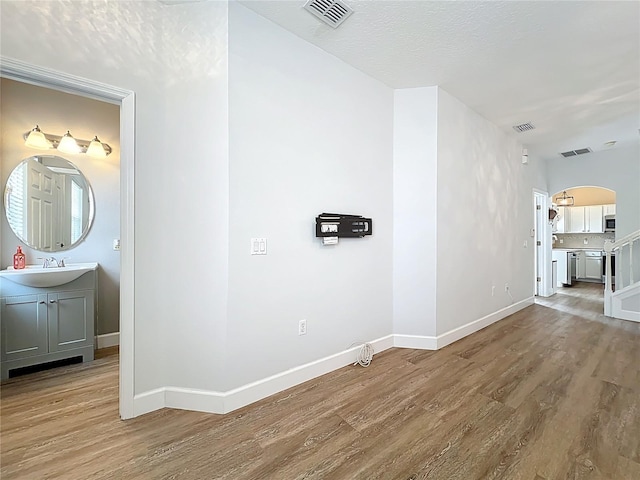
(523, 128)
(331, 12)
(573, 153)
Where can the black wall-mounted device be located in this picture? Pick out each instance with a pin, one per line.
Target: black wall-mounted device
(341, 225)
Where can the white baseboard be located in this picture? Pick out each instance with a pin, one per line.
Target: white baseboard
(225, 402)
(107, 340)
(148, 401)
(423, 342)
(419, 342)
(472, 327)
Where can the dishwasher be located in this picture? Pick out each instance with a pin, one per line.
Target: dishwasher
(572, 260)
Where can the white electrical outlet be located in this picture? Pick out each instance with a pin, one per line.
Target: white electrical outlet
(493, 290)
(302, 327)
(116, 244)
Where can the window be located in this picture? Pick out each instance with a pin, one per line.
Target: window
(76, 211)
(15, 201)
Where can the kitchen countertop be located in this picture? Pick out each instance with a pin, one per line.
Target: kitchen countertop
(577, 249)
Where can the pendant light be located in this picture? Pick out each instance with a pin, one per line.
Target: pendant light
(564, 200)
(68, 144)
(96, 149)
(36, 139)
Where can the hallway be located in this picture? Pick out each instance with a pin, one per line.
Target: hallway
(551, 392)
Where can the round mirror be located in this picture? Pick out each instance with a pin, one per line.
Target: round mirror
(48, 203)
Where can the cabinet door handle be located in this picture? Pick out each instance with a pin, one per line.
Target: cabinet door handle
(52, 301)
(42, 302)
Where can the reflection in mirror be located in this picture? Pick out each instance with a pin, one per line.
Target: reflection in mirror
(48, 203)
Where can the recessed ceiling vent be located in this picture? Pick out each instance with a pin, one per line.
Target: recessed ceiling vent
(573, 153)
(331, 12)
(523, 128)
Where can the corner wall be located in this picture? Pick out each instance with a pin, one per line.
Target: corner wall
(415, 205)
(308, 134)
(485, 216)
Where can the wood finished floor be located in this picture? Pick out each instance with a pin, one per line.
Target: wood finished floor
(552, 392)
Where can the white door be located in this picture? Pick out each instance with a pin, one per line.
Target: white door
(540, 219)
(41, 206)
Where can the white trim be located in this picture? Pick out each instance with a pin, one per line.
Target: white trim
(472, 327)
(423, 342)
(148, 401)
(194, 399)
(48, 78)
(616, 303)
(419, 342)
(255, 391)
(225, 402)
(107, 340)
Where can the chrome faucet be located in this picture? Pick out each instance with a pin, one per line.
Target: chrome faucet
(50, 262)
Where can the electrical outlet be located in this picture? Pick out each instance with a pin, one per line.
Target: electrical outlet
(493, 290)
(562, 240)
(302, 327)
(116, 244)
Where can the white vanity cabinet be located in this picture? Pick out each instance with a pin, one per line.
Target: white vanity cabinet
(40, 325)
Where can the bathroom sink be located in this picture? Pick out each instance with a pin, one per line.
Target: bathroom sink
(38, 276)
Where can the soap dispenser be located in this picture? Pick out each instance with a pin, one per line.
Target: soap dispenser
(19, 260)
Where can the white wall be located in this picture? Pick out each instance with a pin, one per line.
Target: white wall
(22, 106)
(617, 169)
(289, 133)
(308, 134)
(174, 59)
(485, 214)
(415, 159)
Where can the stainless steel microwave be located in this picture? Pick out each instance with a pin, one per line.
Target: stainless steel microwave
(609, 223)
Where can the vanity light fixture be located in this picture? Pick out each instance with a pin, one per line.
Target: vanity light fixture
(564, 200)
(36, 138)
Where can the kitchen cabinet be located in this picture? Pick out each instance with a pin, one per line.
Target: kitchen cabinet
(581, 265)
(560, 224)
(41, 325)
(560, 257)
(609, 209)
(585, 219)
(593, 268)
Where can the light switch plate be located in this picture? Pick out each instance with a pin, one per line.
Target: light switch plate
(258, 246)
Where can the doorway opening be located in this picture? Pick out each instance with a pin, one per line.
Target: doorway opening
(30, 74)
(585, 220)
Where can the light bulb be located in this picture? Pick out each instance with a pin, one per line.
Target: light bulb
(68, 144)
(36, 139)
(96, 149)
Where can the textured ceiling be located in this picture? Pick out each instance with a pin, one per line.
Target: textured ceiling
(572, 68)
